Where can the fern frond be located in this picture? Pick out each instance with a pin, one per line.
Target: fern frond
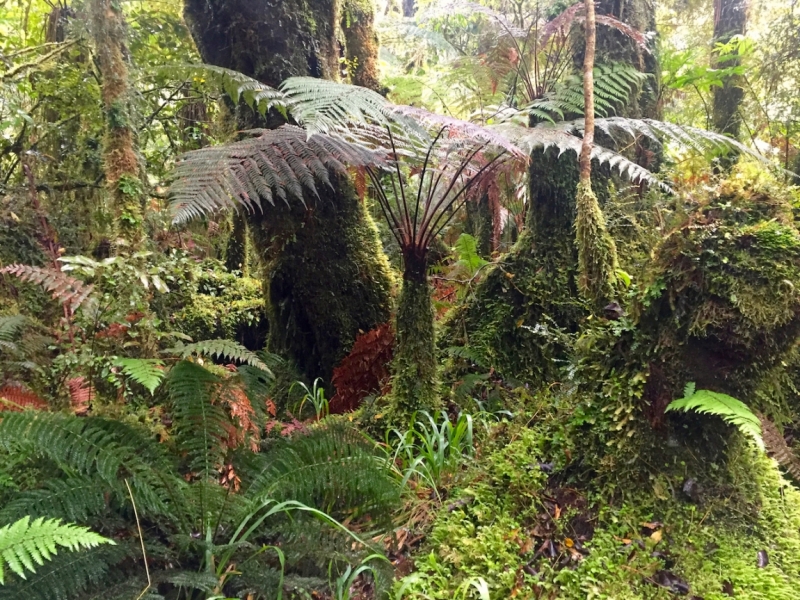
(236, 85)
(332, 468)
(63, 288)
(67, 576)
(75, 499)
(147, 372)
(94, 447)
(278, 163)
(201, 426)
(776, 446)
(10, 326)
(222, 349)
(729, 409)
(17, 398)
(25, 544)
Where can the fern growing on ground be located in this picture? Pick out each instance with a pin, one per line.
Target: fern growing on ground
(208, 500)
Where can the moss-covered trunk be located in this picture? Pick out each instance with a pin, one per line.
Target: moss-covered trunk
(361, 42)
(119, 151)
(269, 41)
(730, 19)
(326, 277)
(414, 364)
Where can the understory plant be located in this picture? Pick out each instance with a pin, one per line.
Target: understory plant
(213, 510)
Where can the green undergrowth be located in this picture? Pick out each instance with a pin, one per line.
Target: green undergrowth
(534, 520)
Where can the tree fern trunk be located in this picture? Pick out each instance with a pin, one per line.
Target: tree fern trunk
(414, 363)
(119, 152)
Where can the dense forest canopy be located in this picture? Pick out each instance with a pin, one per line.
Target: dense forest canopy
(408, 299)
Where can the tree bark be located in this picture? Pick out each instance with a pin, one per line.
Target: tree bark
(361, 42)
(326, 277)
(119, 152)
(597, 252)
(730, 19)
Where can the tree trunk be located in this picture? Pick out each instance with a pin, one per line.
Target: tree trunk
(361, 42)
(730, 19)
(414, 363)
(480, 224)
(597, 253)
(326, 277)
(119, 152)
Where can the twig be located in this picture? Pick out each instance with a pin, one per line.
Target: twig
(141, 541)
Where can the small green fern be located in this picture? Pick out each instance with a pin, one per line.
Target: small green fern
(24, 544)
(144, 371)
(223, 349)
(732, 411)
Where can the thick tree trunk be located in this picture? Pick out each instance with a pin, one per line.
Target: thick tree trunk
(119, 152)
(269, 41)
(326, 277)
(361, 42)
(730, 19)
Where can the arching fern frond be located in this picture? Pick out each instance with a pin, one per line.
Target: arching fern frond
(236, 85)
(729, 409)
(280, 163)
(75, 499)
(201, 426)
(63, 288)
(11, 326)
(222, 349)
(146, 372)
(332, 467)
(25, 544)
(97, 448)
(68, 575)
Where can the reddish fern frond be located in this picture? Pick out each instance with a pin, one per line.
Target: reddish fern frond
(81, 393)
(67, 290)
(458, 130)
(241, 410)
(777, 448)
(15, 398)
(365, 370)
(284, 163)
(571, 15)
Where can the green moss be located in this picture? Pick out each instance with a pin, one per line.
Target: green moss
(225, 306)
(325, 277)
(525, 309)
(414, 365)
(597, 252)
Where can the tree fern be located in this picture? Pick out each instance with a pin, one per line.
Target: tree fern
(732, 411)
(26, 543)
(280, 163)
(223, 349)
(145, 372)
